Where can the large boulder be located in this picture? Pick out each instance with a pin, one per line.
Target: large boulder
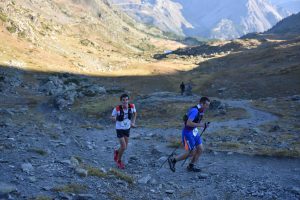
(54, 86)
(215, 105)
(93, 90)
(65, 99)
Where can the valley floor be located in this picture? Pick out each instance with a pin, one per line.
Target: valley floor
(67, 157)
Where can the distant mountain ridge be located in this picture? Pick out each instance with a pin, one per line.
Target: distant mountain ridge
(164, 14)
(215, 19)
(292, 6)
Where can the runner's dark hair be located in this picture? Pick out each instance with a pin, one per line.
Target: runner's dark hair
(204, 100)
(124, 96)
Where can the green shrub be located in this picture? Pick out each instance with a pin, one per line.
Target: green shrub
(122, 175)
(3, 17)
(12, 29)
(70, 188)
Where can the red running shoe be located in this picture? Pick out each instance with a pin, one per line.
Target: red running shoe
(116, 155)
(120, 164)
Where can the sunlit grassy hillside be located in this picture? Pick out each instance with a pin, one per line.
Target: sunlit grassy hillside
(89, 37)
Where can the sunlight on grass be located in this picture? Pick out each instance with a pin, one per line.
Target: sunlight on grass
(255, 141)
(43, 198)
(122, 175)
(229, 145)
(72, 188)
(93, 171)
(97, 107)
(267, 151)
(257, 147)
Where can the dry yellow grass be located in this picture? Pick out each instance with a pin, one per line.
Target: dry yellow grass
(266, 151)
(121, 175)
(96, 107)
(71, 188)
(95, 47)
(243, 141)
(92, 171)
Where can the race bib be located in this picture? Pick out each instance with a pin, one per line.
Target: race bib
(195, 132)
(125, 123)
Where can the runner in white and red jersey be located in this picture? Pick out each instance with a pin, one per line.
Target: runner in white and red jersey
(124, 115)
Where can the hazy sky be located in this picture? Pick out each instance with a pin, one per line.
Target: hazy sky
(292, 6)
(284, 1)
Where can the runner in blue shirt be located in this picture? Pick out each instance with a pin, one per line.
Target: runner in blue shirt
(191, 138)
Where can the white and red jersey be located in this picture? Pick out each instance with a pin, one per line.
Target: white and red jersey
(126, 122)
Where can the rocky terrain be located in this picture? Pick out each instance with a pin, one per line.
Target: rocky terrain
(63, 66)
(57, 143)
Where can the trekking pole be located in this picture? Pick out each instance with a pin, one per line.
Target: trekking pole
(169, 156)
(205, 126)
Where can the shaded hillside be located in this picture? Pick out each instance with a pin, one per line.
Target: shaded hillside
(271, 70)
(244, 68)
(289, 25)
(257, 65)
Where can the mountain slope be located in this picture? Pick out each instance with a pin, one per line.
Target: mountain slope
(81, 36)
(164, 14)
(228, 19)
(289, 25)
(221, 19)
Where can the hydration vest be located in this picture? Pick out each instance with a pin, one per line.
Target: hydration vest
(120, 112)
(197, 119)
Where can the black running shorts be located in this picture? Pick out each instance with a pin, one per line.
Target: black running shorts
(122, 132)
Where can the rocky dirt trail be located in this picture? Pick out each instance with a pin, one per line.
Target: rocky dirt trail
(256, 118)
(76, 163)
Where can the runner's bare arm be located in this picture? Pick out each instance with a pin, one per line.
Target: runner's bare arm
(114, 118)
(114, 115)
(133, 120)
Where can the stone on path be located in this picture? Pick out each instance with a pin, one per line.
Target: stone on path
(27, 167)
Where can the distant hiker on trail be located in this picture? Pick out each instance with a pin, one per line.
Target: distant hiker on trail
(182, 88)
(124, 115)
(191, 138)
(188, 90)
